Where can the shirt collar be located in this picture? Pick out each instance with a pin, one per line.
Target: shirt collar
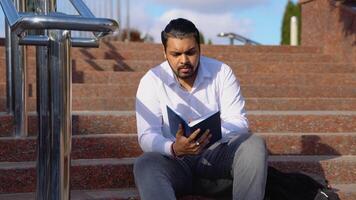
(203, 72)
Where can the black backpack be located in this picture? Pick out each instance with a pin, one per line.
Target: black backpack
(296, 186)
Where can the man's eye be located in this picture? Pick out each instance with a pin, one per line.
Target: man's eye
(175, 54)
(190, 53)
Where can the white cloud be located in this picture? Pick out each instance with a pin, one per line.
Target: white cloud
(210, 16)
(209, 24)
(139, 18)
(213, 6)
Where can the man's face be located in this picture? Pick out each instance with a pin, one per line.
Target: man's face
(183, 56)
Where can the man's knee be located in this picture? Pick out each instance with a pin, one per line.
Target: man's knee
(255, 145)
(253, 150)
(146, 163)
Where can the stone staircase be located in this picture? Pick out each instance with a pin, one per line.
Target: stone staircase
(302, 101)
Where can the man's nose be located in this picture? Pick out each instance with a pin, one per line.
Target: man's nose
(184, 59)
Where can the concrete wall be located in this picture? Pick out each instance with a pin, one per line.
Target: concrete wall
(332, 25)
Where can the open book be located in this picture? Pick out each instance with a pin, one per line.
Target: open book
(211, 121)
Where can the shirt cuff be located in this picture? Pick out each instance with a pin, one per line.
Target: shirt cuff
(167, 148)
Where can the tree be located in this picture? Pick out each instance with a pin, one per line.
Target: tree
(210, 42)
(202, 39)
(291, 10)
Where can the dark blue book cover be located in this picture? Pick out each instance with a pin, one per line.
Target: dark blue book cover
(211, 121)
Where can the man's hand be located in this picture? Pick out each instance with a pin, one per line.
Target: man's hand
(190, 145)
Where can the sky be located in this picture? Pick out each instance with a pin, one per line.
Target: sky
(259, 20)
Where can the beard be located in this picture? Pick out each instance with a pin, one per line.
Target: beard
(185, 75)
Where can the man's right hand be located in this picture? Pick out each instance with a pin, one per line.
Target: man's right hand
(191, 145)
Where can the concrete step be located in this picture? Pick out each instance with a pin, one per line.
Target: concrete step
(133, 78)
(86, 174)
(217, 49)
(237, 66)
(206, 50)
(127, 78)
(324, 166)
(120, 145)
(221, 55)
(120, 46)
(254, 91)
(248, 91)
(80, 64)
(294, 104)
(93, 174)
(281, 91)
(282, 104)
(103, 194)
(345, 192)
(124, 104)
(224, 56)
(83, 147)
(90, 122)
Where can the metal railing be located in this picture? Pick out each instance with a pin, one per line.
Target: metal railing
(54, 78)
(234, 36)
(16, 101)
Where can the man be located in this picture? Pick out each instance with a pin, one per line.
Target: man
(194, 85)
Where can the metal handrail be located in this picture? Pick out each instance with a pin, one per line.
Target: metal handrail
(234, 36)
(43, 40)
(18, 23)
(64, 23)
(84, 11)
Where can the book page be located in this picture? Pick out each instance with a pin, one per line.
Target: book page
(197, 121)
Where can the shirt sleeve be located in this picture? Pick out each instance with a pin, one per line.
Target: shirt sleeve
(232, 103)
(149, 118)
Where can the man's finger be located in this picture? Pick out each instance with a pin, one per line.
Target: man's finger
(180, 131)
(193, 136)
(204, 136)
(205, 142)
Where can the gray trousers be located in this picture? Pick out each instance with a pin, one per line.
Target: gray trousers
(240, 162)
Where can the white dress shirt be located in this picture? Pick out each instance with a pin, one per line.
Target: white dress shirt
(215, 88)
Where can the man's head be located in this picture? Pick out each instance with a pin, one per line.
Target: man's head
(180, 28)
(180, 39)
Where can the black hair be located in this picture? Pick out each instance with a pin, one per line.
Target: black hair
(180, 28)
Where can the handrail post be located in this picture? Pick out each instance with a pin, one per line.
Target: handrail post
(18, 63)
(60, 80)
(9, 71)
(44, 145)
(54, 146)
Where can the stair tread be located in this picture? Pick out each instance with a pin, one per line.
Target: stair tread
(117, 193)
(131, 160)
(133, 134)
(264, 103)
(95, 122)
(132, 192)
(249, 90)
(337, 169)
(120, 145)
(244, 78)
(119, 45)
(252, 112)
(126, 193)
